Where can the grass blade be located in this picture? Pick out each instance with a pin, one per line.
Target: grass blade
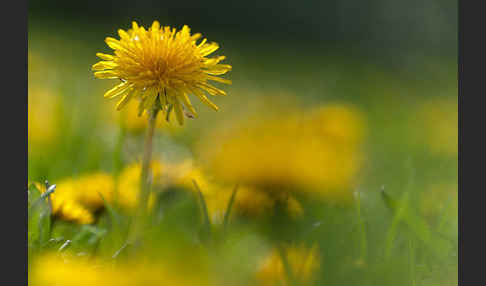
(49, 191)
(286, 266)
(362, 229)
(400, 209)
(207, 222)
(230, 206)
(111, 211)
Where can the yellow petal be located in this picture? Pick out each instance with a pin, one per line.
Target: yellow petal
(196, 36)
(103, 65)
(214, 61)
(155, 25)
(125, 99)
(202, 43)
(117, 90)
(178, 110)
(113, 43)
(204, 99)
(123, 35)
(187, 103)
(211, 89)
(218, 79)
(208, 49)
(218, 69)
(105, 57)
(108, 74)
(147, 101)
(134, 26)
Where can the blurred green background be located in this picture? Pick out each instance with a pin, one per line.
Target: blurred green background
(394, 61)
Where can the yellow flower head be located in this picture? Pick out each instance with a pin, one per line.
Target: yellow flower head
(317, 152)
(160, 67)
(303, 263)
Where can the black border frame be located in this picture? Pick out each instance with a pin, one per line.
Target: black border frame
(14, 122)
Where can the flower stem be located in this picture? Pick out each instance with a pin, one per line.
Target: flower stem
(145, 179)
(147, 157)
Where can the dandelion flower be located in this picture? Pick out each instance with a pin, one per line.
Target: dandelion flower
(160, 67)
(315, 153)
(303, 262)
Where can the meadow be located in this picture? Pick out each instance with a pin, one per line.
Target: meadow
(319, 168)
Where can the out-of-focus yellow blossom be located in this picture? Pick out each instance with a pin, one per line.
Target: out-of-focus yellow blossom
(160, 67)
(54, 269)
(129, 184)
(303, 263)
(439, 199)
(76, 199)
(317, 152)
(44, 110)
(249, 201)
(88, 189)
(67, 209)
(437, 125)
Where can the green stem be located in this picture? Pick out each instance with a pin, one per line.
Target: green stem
(144, 178)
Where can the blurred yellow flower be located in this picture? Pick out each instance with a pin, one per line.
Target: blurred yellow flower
(67, 209)
(303, 263)
(438, 125)
(52, 269)
(249, 201)
(88, 189)
(161, 67)
(43, 115)
(128, 187)
(76, 199)
(318, 152)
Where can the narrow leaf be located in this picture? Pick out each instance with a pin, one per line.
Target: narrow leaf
(230, 206)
